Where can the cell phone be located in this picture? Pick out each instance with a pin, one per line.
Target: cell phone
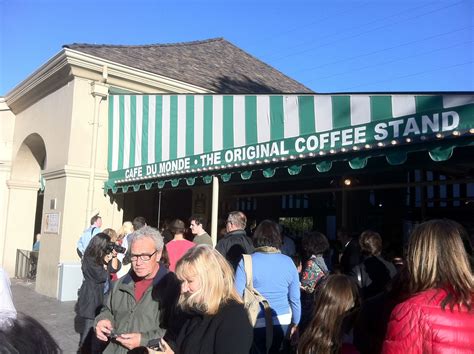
(113, 335)
(155, 344)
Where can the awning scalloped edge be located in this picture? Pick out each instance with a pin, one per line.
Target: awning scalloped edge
(439, 152)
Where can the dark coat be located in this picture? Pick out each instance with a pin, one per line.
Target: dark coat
(129, 315)
(233, 245)
(373, 275)
(91, 293)
(350, 256)
(229, 332)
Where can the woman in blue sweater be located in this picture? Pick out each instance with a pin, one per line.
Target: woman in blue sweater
(276, 278)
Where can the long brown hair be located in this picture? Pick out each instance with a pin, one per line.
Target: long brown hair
(437, 259)
(336, 298)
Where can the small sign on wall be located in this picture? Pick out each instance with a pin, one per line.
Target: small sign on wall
(51, 223)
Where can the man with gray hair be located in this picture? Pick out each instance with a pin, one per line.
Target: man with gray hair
(130, 317)
(235, 242)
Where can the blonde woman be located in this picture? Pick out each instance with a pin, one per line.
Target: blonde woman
(335, 305)
(438, 315)
(217, 320)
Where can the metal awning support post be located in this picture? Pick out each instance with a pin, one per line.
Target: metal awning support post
(215, 207)
(159, 210)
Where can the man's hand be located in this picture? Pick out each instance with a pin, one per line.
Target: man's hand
(129, 340)
(103, 329)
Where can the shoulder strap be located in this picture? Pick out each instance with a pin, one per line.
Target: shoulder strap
(266, 306)
(92, 231)
(248, 270)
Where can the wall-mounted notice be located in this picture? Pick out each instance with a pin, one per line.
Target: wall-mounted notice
(51, 223)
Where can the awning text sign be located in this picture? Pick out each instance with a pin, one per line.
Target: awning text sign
(433, 124)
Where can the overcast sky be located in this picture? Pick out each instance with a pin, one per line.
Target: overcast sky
(328, 45)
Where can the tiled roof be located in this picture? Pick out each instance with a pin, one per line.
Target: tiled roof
(214, 64)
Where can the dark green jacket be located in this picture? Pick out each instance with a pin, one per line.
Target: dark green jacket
(128, 316)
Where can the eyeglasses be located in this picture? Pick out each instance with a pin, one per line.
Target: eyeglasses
(143, 257)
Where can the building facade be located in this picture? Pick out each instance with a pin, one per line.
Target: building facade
(54, 135)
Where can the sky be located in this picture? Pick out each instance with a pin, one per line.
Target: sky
(328, 45)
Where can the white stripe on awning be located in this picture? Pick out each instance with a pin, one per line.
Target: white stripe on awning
(165, 128)
(291, 119)
(360, 109)
(126, 135)
(138, 131)
(403, 105)
(198, 124)
(323, 113)
(181, 138)
(151, 128)
(217, 130)
(263, 118)
(239, 121)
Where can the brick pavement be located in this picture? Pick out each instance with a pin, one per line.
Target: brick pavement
(56, 316)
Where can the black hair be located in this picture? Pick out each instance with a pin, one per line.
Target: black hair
(267, 234)
(197, 219)
(26, 335)
(138, 222)
(314, 243)
(97, 248)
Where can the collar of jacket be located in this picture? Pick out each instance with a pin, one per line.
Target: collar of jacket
(162, 271)
(236, 232)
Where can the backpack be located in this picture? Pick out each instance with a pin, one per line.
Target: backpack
(254, 302)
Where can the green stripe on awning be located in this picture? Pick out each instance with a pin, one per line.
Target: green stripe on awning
(228, 122)
(306, 114)
(173, 127)
(276, 118)
(251, 119)
(133, 128)
(428, 103)
(341, 111)
(189, 125)
(380, 108)
(121, 133)
(208, 131)
(145, 130)
(158, 127)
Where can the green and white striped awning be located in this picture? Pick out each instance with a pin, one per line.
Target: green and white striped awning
(160, 138)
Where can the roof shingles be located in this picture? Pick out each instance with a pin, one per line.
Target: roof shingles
(214, 64)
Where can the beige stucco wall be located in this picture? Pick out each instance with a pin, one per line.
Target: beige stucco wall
(60, 126)
(63, 119)
(7, 124)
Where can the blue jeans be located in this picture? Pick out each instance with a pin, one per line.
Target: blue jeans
(279, 334)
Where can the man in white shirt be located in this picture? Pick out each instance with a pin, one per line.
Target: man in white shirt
(86, 237)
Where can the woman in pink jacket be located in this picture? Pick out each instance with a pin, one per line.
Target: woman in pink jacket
(438, 317)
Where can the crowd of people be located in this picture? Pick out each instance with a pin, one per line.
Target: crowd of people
(167, 291)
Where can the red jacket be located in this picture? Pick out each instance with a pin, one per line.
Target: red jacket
(420, 325)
